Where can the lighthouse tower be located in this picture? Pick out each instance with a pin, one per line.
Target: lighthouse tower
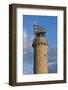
(40, 46)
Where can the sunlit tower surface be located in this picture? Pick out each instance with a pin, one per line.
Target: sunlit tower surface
(40, 46)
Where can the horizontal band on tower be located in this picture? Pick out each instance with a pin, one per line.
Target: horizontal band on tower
(39, 44)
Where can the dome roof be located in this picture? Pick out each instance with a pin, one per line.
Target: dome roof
(40, 30)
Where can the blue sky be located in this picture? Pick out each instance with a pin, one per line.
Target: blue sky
(50, 25)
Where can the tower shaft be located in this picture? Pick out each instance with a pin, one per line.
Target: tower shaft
(40, 46)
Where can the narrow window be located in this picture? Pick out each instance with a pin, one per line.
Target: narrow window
(41, 43)
(44, 55)
(44, 43)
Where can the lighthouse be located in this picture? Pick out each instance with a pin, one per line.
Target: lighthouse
(40, 46)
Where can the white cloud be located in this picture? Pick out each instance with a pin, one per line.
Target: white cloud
(51, 63)
(25, 34)
(25, 39)
(25, 52)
